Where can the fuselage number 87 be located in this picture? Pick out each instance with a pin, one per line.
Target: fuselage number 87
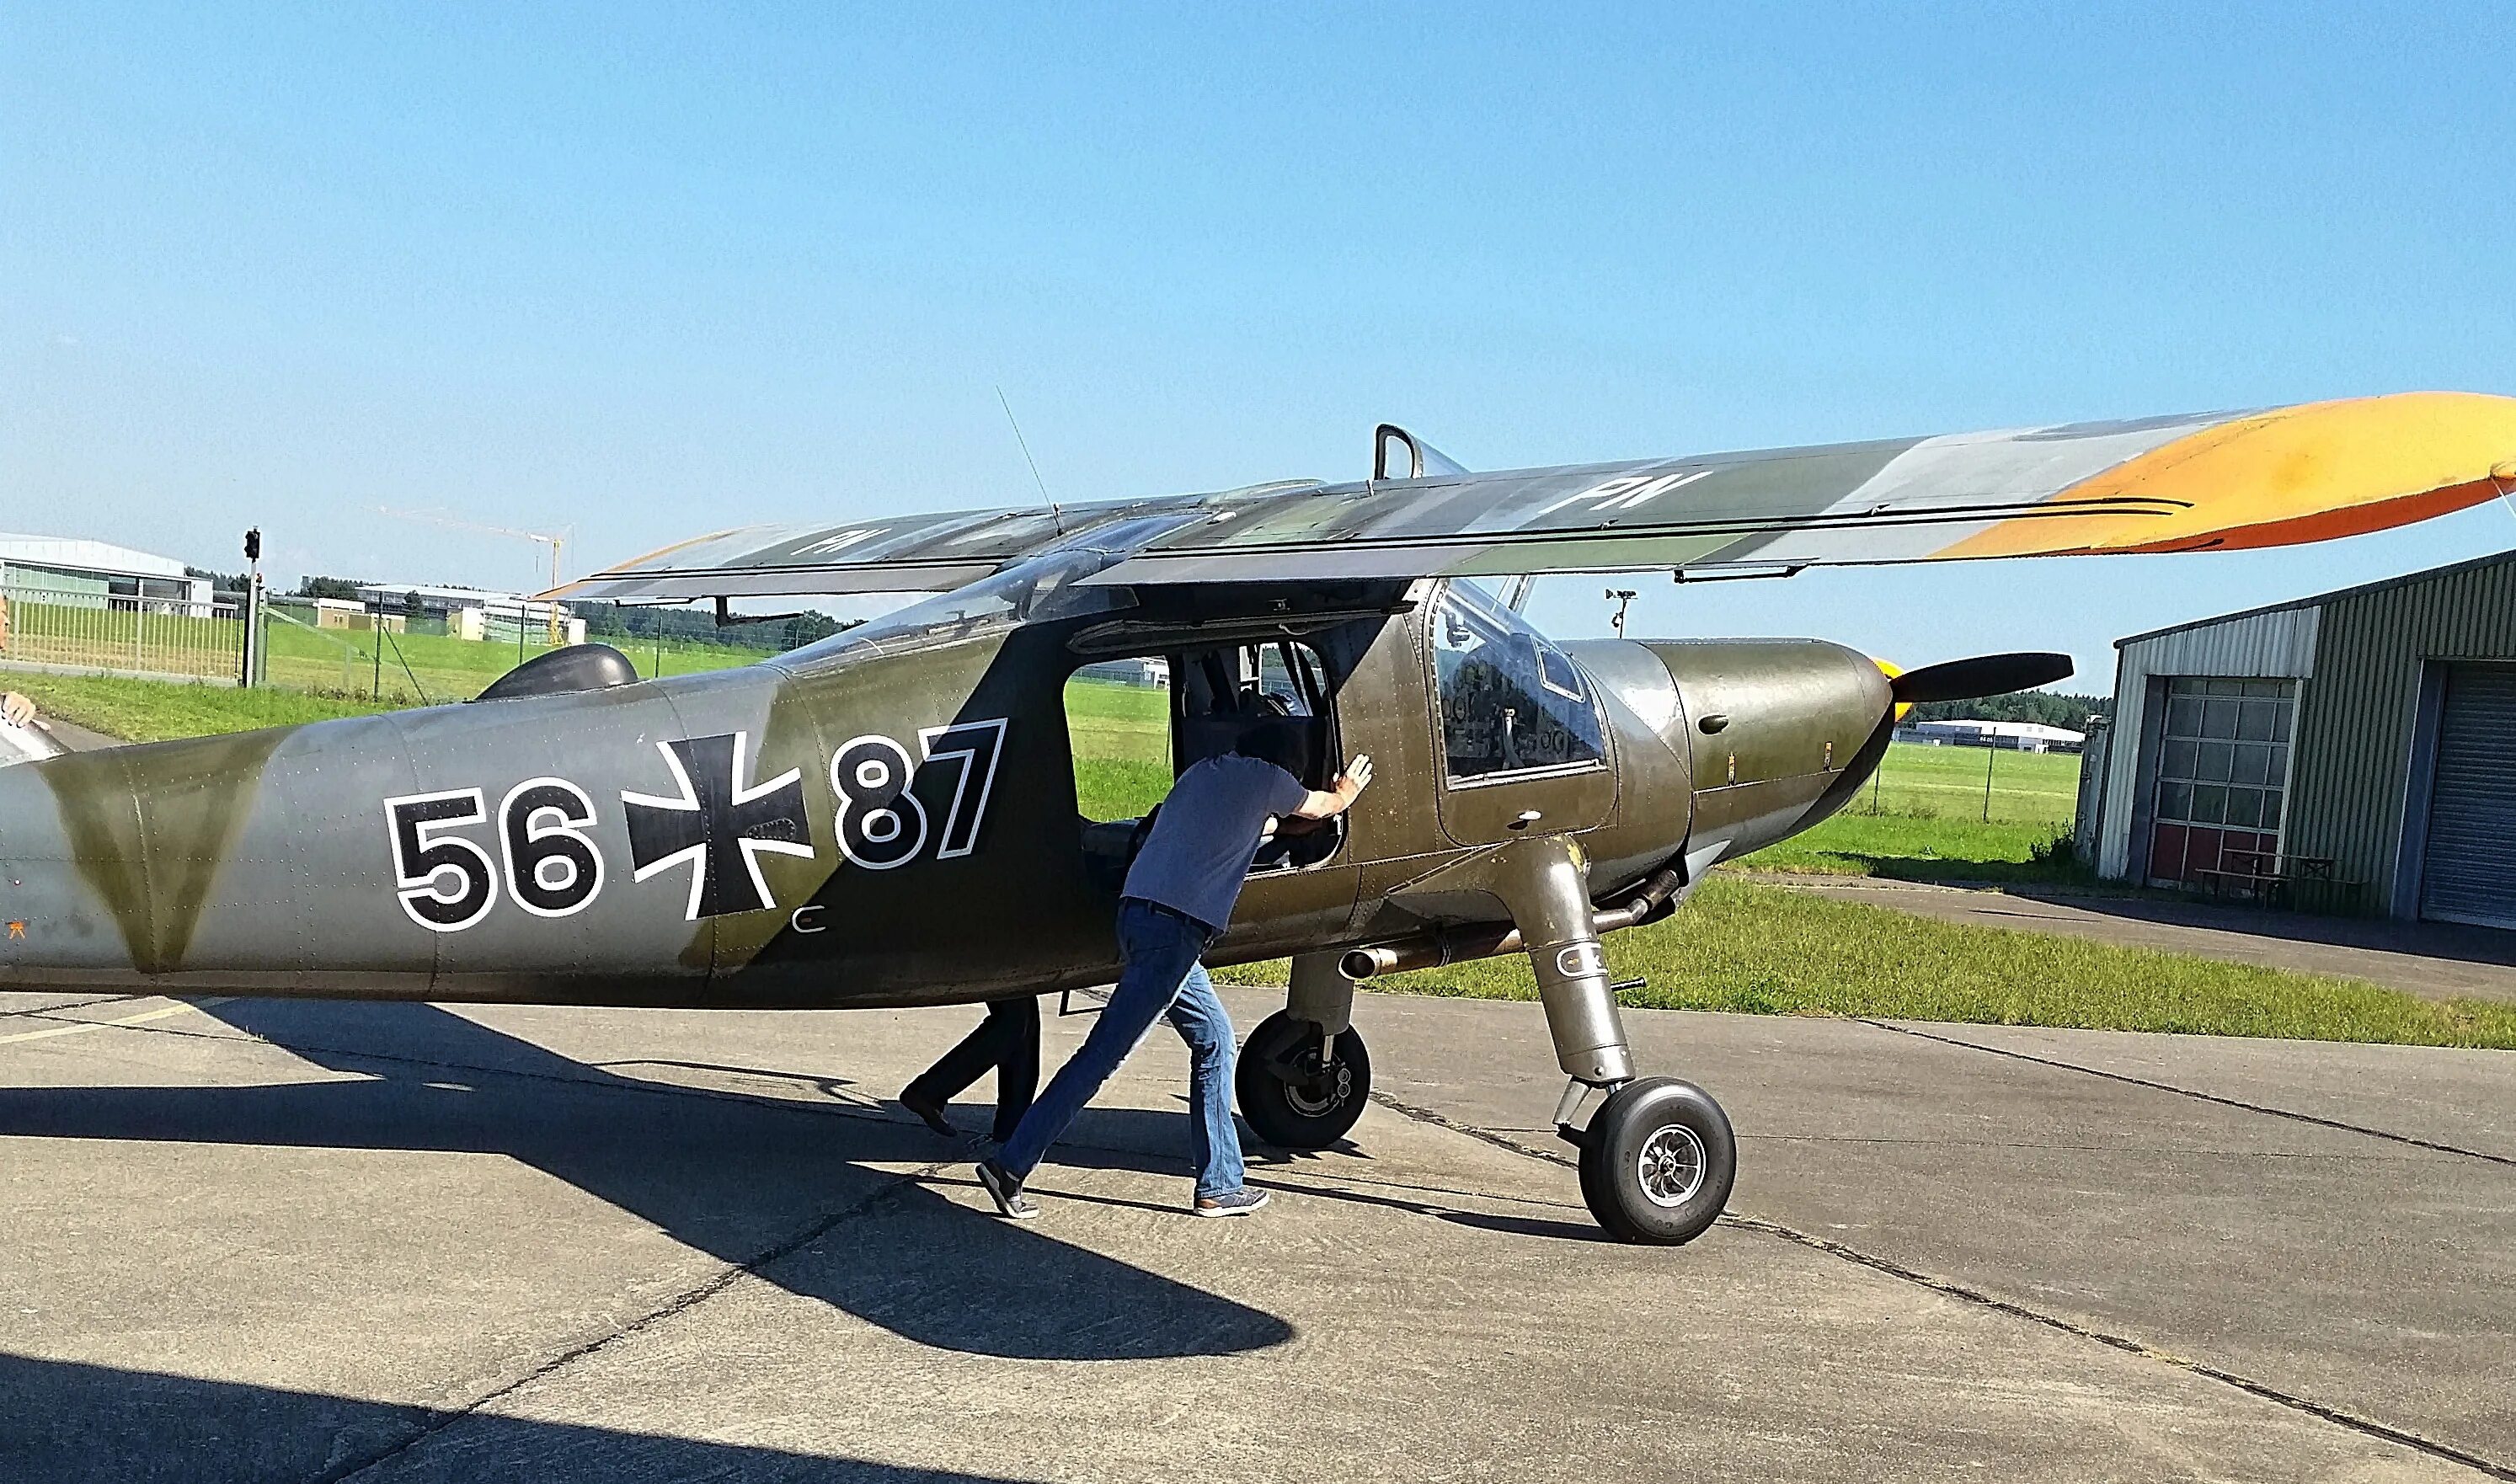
(553, 868)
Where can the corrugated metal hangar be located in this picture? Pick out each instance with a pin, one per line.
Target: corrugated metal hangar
(2354, 751)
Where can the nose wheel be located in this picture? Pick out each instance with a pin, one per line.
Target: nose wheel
(1301, 1090)
(1657, 1160)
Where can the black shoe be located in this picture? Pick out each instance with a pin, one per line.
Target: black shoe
(929, 1111)
(1006, 1191)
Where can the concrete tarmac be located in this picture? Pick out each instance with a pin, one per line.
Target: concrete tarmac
(269, 1239)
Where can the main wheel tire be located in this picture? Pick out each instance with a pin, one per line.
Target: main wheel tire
(1657, 1160)
(1294, 1096)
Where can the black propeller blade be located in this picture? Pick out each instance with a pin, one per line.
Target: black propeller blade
(1983, 676)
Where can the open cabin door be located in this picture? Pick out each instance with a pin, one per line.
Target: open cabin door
(1517, 731)
(1206, 696)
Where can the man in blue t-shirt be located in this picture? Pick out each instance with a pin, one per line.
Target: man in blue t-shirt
(1177, 900)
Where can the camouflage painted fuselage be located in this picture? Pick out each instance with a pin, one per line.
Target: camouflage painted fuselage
(741, 839)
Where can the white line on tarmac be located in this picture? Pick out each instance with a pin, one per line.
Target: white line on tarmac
(141, 1018)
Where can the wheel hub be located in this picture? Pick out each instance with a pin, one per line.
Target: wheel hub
(1669, 1166)
(1323, 1090)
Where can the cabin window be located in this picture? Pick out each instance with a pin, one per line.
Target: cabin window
(1134, 723)
(1118, 723)
(1511, 702)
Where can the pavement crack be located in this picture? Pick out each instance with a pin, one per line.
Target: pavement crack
(680, 1304)
(52, 1011)
(1946, 1288)
(2239, 1103)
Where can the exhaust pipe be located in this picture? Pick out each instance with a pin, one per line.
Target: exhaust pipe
(1458, 945)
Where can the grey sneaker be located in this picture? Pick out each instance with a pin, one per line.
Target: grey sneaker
(1231, 1203)
(1006, 1191)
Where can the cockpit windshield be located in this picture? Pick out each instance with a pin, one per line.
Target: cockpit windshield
(1511, 701)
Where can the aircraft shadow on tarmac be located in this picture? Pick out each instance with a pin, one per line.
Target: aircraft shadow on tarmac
(779, 1187)
(70, 1423)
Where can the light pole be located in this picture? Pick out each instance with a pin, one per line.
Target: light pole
(253, 662)
(1623, 598)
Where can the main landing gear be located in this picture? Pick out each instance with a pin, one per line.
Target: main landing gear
(1658, 1155)
(1304, 1076)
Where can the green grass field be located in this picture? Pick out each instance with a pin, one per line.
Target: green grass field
(1925, 782)
(433, 667)
(1769, 950)
(318, 675)
(1922, 819)
(155, 710)
(1121, 735)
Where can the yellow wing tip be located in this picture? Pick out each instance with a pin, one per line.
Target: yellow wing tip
(2286, 476)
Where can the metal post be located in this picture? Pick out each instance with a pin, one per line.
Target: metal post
(1991, 750)
(250, 665)
(376, 647)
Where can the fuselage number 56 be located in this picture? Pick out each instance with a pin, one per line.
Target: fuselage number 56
(553, 867)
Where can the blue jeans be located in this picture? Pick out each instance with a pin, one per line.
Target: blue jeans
(1162, 977)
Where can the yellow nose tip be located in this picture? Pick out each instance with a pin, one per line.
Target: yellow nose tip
(1891, 670)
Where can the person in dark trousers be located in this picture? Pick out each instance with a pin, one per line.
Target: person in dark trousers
(1176, 901)
(1007, 1043)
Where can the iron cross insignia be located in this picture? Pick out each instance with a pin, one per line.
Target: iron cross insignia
(717, 824)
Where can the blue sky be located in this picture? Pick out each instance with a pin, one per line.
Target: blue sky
(646, 274)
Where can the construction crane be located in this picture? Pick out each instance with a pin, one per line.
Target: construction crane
(554, 540)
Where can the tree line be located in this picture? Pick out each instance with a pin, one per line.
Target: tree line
(2044, 707)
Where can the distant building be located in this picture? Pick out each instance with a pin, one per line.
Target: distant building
(473, 613)
(1154, 672)
(2017, 736)
(80, 573)
(2367, 736)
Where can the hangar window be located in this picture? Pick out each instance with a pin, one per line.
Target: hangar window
(2221, 791)
(1511, 702)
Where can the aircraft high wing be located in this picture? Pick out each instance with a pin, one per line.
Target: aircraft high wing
(2195, 483)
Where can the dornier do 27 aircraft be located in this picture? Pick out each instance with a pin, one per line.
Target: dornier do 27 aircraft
(891, 817)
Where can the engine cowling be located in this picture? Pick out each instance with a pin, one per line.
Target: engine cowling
(1778, 734)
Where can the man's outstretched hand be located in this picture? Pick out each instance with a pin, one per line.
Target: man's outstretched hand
(1355, 779)
(1338, 796)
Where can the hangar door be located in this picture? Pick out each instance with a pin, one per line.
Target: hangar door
(2468, 870)
(2221, 776)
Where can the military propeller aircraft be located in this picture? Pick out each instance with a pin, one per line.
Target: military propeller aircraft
(891, 816)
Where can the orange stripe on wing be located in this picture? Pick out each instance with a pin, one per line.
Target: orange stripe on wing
(2308, 472)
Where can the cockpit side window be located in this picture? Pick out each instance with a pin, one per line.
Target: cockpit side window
(1511, 702)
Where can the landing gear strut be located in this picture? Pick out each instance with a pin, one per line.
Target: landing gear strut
(1658, 1158)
